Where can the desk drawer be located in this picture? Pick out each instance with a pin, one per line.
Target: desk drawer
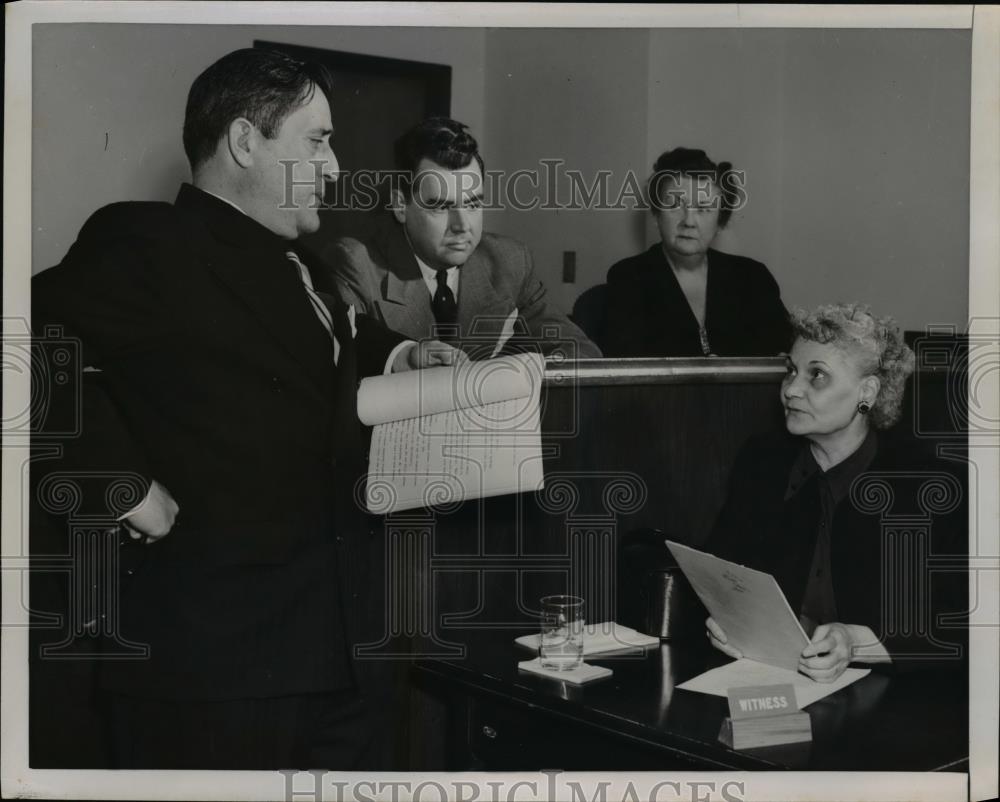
(508, 737)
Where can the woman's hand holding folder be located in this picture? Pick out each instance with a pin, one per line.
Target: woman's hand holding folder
(832, 648)
(718, 639)
(829, 653)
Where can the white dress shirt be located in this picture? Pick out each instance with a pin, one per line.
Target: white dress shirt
(430, 277)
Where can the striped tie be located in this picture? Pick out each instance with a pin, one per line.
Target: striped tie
(317, 304)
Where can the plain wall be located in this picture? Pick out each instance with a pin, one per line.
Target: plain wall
(855, 145)
(108, 105)
(578, 96)
(855, 142)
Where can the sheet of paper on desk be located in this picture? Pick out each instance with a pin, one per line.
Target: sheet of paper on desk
(746, 673)
(747, 604)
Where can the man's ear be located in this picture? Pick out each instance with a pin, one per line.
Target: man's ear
(240, 141)
(399, 205)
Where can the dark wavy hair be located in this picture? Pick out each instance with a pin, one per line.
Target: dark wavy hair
(693, 163)
(441, 140)
(876, 343)
(261, 85)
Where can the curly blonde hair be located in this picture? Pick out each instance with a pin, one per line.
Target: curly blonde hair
(876, 342)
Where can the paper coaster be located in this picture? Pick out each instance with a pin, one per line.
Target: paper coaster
(580, 675)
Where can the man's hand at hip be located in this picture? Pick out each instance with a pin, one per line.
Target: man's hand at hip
(155, 516)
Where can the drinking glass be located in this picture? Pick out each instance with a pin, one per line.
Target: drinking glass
(561, 646)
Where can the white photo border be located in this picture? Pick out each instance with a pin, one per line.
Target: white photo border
(984, 311)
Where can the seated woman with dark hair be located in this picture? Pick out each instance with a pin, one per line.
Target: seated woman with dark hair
(811, 506)
(681, 297)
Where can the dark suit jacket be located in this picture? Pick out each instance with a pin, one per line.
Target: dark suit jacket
(218, 380)
(381, 276)
(898, 544)
(647, 314)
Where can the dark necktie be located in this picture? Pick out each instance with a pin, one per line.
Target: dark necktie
(443, 303)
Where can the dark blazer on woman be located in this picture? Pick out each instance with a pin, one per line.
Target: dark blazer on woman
(898, 541)
(647, 314)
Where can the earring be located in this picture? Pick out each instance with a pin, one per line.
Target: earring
(864, 407)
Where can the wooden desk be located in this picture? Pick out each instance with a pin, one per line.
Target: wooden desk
(502, 719)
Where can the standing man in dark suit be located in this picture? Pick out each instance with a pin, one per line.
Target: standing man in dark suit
(228, 390)
(434, 270)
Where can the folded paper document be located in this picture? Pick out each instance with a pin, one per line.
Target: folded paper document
(744, 673)
(447, 434)
(747, 604)
(607, 636)
(757, 620)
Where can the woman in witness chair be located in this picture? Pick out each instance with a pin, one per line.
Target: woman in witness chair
(791, 510)
(681, 297)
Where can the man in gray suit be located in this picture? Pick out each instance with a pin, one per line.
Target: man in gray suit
(433, 272)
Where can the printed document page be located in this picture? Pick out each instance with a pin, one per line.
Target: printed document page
(447, 434)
